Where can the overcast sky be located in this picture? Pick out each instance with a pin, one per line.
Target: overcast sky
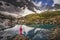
(56, 1)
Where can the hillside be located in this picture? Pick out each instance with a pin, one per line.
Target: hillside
(48, 17)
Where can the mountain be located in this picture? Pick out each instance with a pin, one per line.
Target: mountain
(20, 7)
(57, 6)
(4, 6)
(31, 5)
(21, 3)
(16, 8)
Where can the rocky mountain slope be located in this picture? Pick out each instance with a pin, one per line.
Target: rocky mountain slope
(18, 5)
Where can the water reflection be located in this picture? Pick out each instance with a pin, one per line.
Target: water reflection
(38, 34)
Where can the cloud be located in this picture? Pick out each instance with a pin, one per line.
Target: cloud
(56, 1)
(37, 4)
(43, 2)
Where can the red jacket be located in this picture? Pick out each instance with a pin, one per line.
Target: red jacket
(20, 30)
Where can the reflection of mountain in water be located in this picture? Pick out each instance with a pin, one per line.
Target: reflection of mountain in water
(31, 32)
(39, 34)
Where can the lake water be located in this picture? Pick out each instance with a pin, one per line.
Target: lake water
(45, 26)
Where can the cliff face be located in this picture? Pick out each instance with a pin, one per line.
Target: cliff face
(8, 7)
